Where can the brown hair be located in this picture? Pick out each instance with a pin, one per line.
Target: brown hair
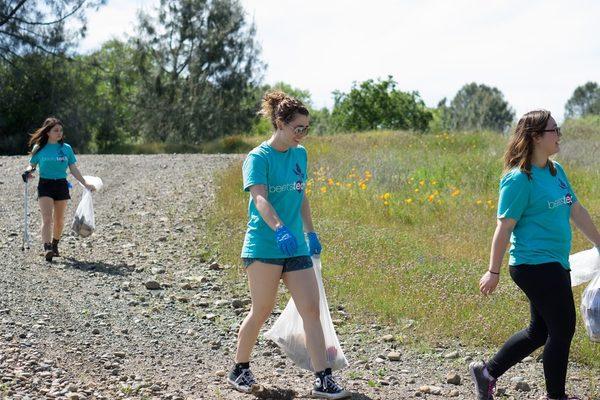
(276, 105)
(40, 136)
(520, 147)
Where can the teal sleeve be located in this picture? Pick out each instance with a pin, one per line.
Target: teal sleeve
(71, 156)
(254, 171)
(514, 195)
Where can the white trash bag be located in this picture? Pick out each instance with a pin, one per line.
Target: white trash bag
(288, 331)
(83, 222)
(590, 309)
(584, 266)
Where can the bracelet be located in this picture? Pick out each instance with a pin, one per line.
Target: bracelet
(492, 272)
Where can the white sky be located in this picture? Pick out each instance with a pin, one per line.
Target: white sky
(536, 52)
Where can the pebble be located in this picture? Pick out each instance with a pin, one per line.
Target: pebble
(430, 390)
(453, 378)
(152, 285)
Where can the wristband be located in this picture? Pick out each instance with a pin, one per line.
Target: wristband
(492, 272)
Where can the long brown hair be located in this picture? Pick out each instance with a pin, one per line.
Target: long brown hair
(520, 146)
(277, 105)
(40, 136)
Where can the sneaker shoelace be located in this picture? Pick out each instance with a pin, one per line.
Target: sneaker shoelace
(246, 378)
(328, 381)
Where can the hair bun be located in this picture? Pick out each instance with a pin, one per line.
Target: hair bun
(279, 105)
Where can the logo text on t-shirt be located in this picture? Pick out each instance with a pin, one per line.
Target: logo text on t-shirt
(565, 200)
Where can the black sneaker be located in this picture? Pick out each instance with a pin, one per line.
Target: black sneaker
(484, 386)
(55, 248)
(48, 252)
(242, 380)
(327, 388)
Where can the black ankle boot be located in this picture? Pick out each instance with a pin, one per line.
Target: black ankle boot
(55, 247)
(48, 252)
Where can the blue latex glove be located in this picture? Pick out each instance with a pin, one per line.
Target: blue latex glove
(314, 246)
(286, 241)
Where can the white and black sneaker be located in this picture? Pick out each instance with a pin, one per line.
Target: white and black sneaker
(242, 379)
(327, 388)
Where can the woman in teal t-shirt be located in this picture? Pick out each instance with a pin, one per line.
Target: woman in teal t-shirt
(52, 156)
(274, 247)
(535, 205)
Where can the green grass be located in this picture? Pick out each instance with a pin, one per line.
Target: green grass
(406, 223)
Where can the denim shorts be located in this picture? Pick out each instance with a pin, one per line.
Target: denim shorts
(289, 264)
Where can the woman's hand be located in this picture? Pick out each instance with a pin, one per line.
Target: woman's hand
(286, 241)
(314, 245)
(27, 175)
(89, 187)
(488, 283)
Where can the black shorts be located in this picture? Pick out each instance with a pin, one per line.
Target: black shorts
(57, 189)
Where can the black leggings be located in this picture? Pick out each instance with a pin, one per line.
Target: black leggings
(548, 288)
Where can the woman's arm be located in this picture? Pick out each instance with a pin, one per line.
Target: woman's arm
(306, 215)
(266, 210)
(500, 240)
(582, 220)
(75, 171)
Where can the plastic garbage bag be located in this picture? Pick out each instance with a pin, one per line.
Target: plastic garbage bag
(288, 331)
(84, 223)
(584, 266)
(590, 309)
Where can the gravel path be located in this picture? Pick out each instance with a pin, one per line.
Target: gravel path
(88, 326)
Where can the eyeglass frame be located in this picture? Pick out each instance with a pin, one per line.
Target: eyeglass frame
(301, 130)
(556, 129)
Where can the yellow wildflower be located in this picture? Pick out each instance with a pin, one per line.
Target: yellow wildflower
(323, 189)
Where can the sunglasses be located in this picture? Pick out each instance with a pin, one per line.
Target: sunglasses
(301, 130)
(555, 130)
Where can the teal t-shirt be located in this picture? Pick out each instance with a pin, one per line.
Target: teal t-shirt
(542, 208)
(53, 160)
(284, 175)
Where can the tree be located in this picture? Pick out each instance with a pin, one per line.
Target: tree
(112, 72)
(477, 107)
(203, 72)
(584, 101)
(379, 105)
(40, 85)
(39, 25)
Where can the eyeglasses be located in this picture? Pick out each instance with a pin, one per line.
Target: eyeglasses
(555, 130)
(301, 130)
